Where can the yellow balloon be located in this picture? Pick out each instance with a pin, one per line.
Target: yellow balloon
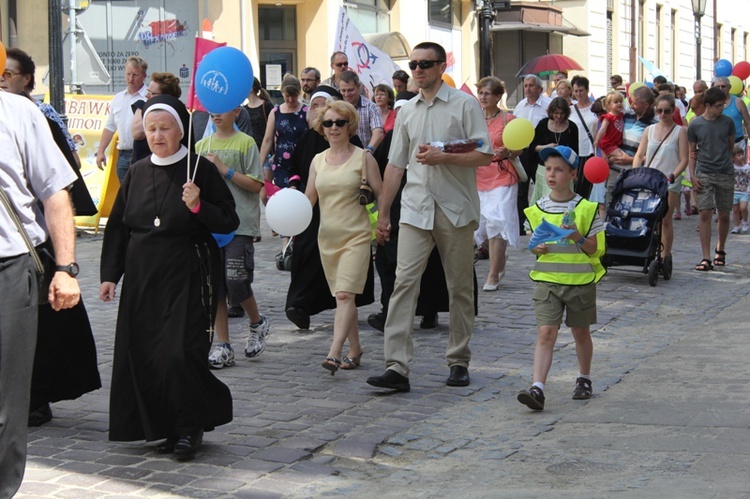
(736, 85)
(447, 79)
(635, 86)
(3, 56)
(518, 134)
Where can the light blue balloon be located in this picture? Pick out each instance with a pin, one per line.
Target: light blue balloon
(223, 80)
(723, 68)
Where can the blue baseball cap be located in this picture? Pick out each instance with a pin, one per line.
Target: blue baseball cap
(568, 154)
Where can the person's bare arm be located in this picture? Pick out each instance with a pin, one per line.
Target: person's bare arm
(391, 183)
(104, 141)
(64, 291)
(429, 155)
(136, 129)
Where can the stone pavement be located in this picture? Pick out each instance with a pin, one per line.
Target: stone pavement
(669, 416)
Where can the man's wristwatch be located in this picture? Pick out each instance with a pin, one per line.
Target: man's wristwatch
(72, 269)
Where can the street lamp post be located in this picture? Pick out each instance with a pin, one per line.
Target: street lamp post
(699, 8)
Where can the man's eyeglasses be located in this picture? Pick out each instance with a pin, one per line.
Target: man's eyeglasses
(8, 74)
(342, 64)
(422, 64)
(338, 123)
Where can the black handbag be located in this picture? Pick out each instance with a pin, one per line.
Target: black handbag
(44, 261)
(366, 196)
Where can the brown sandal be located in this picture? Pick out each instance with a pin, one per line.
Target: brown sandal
(704, 266)
(721, 259)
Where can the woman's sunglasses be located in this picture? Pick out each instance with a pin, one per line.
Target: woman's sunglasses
(422, 64)
(338, 123)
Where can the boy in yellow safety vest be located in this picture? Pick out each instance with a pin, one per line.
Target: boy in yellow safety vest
(566, 274)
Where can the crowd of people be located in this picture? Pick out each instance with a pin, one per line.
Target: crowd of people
(187, 216)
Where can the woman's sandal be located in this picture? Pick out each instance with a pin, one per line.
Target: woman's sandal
(704, 266)
(351, 363)
(331, 364)
(721, 259)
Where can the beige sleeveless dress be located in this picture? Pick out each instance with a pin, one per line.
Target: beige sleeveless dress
(345, 231)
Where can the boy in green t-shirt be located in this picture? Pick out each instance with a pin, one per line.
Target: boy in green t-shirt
(236, 157)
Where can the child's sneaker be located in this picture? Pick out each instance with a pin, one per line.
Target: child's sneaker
(583, 389)
(533, 398)
(256, 340)
(744, 227)
(735, 230)
(220, 356)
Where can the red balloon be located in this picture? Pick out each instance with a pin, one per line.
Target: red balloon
(596, 170)
(741, 70)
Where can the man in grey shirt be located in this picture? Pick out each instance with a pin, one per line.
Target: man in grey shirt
(32, 169)
(439, 207)
(711, 140)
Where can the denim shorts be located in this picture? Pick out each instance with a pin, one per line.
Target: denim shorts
(741, 197)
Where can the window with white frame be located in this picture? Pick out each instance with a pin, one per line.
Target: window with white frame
(370, 16)
(444, 12)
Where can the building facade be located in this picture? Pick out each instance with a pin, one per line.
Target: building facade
(605, 36)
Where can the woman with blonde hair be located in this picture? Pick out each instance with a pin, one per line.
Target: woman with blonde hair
(345, 230)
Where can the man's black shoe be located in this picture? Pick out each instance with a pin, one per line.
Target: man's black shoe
(188, 445)
(298, 317)
(459, 376)
(377, 321)
(392, 380)
(429, 321)
(235, 311)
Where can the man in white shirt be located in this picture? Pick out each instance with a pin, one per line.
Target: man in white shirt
(121, 117)
(534, 109)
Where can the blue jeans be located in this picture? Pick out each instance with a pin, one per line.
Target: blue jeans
(123, 162)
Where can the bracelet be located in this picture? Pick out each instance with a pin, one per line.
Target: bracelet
(229, 174)
(197, 207)
(582, 241)
(370, 148)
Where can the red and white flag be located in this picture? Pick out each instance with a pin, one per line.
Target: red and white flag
(202, 47)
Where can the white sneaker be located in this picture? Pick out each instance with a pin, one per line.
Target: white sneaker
(744, 227)
(221, 355)
(735, 230)
(256, 340)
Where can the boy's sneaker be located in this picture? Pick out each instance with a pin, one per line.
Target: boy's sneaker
(533, 398)
(221, 355)
(735, 229)
(583, 389)
(744, 227)
(256, 340)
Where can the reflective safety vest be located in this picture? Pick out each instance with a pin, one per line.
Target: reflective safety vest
(568, 264)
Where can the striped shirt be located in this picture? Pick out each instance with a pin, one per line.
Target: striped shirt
(369, 119)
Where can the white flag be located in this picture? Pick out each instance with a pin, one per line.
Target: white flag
(373, 66)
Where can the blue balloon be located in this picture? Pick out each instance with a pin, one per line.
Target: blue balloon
(223, 239)
(223, 80)
(723, 68)
(650, 84)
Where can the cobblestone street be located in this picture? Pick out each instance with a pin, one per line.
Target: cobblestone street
(299, 432)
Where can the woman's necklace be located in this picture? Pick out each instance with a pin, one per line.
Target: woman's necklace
(157, 211)
(553, 128)
(490, 118)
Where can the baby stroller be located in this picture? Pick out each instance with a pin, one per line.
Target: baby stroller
(639, 203)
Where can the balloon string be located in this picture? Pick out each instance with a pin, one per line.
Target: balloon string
(190, 143)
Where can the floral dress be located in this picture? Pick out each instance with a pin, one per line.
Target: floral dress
(289, 128)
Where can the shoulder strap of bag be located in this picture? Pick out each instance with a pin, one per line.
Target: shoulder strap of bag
(364, 167)
(21, 230)
(583, 122)
(660, 143)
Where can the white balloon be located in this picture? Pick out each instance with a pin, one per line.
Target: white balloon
(288, 212)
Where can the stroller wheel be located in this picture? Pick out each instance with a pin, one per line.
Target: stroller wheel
(653, 271)
(280, 261)
(287, 263)
(666, 267)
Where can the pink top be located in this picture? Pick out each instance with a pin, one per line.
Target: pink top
(498, 173)
(613, 136)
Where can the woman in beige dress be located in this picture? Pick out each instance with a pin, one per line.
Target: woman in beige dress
(345, 229)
